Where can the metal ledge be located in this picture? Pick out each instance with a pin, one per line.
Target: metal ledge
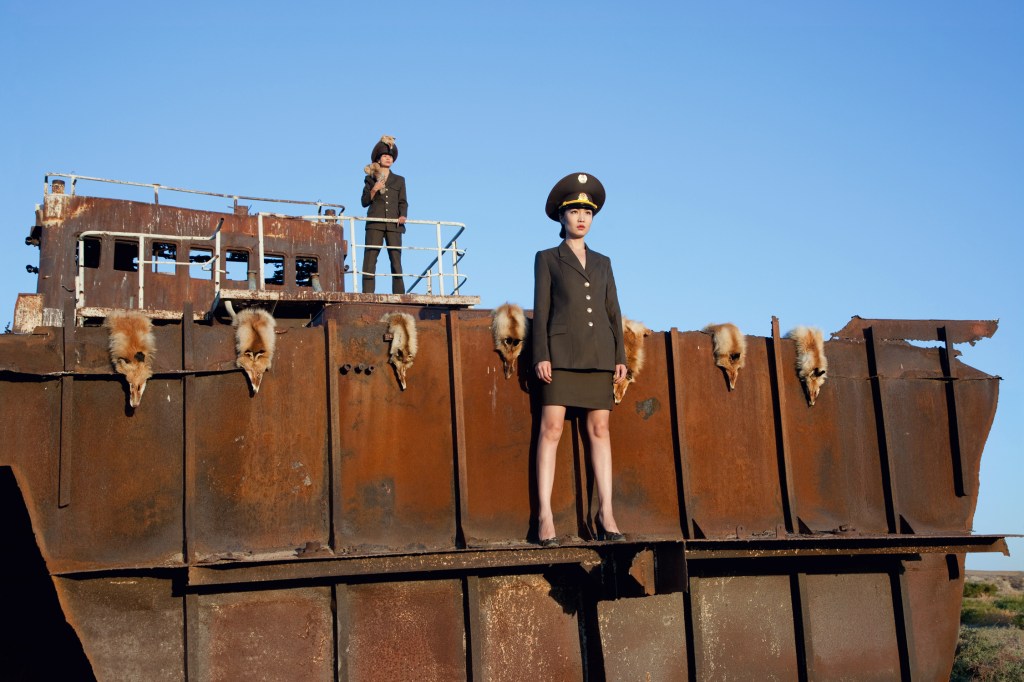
(250, 572)
(838, 545)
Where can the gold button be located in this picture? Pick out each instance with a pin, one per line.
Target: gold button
(590, 310)
(588, 297)
(586, 284)
(591, 324)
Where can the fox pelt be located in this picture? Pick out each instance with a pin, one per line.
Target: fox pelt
(811, 363)
(509, 328)
(633, 335)
(131, 345)
(730, 349)
(401, 327)
(255, 342)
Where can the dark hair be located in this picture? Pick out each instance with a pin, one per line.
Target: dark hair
(561, 222)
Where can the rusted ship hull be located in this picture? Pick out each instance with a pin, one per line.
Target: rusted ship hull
(337, 527)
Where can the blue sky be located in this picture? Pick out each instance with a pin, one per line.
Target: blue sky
(808, 160)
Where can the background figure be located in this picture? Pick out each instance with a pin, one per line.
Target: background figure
(577, 346)
(384, 197)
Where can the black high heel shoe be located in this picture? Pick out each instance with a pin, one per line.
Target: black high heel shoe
(608, 535)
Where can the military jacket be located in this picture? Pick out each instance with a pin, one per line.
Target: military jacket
(577, 323)
(391, 203)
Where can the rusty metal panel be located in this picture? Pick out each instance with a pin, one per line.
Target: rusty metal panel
(934, 585)
(91, 354)
(833, 445)
(529, 629)
(397, 459)
(849, 627)
(123, 470)
(499, 430)
(131, 627)
(730, 460)
(918, 433)
(41, 353)
(743, 628)
(261, 461)
(28, 313)
(646, 491)
(644, 639)
(957, 331)
(412, 630)
(262, 635)
(976, 409)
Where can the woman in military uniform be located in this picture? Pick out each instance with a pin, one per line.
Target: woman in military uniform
(577, 345)
(384, 197)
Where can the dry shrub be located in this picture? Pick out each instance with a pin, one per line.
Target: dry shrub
(989, 654)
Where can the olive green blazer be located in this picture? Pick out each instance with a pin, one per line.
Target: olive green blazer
(577, 323)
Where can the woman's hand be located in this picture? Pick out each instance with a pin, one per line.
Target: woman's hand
(620, 373)
(543, 369)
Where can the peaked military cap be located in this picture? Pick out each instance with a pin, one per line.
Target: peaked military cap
(575, 189)
(385, 146)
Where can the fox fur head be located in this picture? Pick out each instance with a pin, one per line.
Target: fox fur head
(131, 350)
(373, 170)
(508, 326)
(730, 348)
(633, 335)
(402, 351)
(811, 363)
(254, 342)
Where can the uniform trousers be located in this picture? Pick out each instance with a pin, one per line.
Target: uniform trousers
(374, 238)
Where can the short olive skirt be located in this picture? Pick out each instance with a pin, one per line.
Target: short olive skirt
(590, 389)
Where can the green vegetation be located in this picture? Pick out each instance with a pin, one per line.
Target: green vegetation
(991, 644)
(976, 588)
(989, 654)
(981, 613)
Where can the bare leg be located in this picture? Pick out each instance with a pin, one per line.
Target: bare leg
(552, 417)
(601, 460)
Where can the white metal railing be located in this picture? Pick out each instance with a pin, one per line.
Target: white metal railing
(142, 239)
(440, 248)
(435, 270)
(156, 187)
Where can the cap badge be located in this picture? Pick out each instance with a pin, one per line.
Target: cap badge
(583, 196)
(582, 177)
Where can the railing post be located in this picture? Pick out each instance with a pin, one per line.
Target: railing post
(217, 264)
(355, 254)
(440, 259)
(262, 283)
(80, 279)
(455, 267)
(142, 271)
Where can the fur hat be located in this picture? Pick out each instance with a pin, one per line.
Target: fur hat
(385, 146)
(575, 189)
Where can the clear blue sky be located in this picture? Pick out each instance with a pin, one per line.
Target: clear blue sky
(802, 159)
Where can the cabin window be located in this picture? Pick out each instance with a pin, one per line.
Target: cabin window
(305, 268)
(236, 266)
(273, 269)
(126, 256)
(164, 255)
(197, 258)
(92, 252)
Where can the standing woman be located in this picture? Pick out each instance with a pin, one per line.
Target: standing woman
(577, 346)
